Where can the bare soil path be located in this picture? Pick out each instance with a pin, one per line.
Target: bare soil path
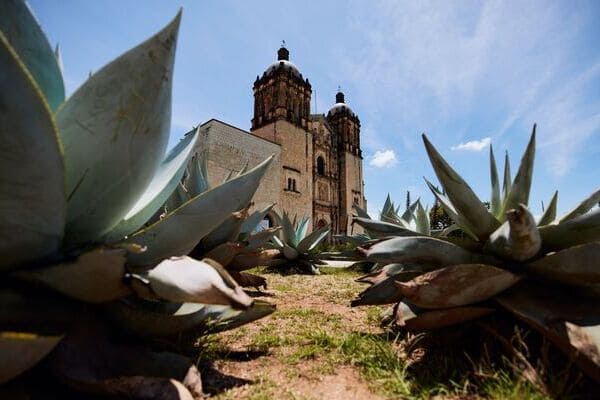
(286, 355)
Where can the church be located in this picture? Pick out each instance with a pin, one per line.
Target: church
(317, 170)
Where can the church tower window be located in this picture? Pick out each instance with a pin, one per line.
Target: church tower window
(320, 166)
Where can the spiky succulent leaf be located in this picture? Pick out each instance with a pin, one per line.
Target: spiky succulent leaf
(382, 274)
(576, 265)
(495, 202)
(383, 292)
(32, 196)
(412, 317)
(245, 279)
(23, 32)
(115, 130)
(516, 239)
(197, 178)
(259, 239)
(377, 229)
(183, 279)
(223, 253)
(288, 233)
(571, 322)
(250, 260)
(507, 181)
(228, 230)
(96, 276)
(163, 184)
(420, 249)
(301, 229)
(521, 186)
(251, 223)
(464, 200)
(550, 212)
(360, 212)
(181, 230)
(464, 224)
(457, 285)
(582, 207)
(313, 239)
(179, 197)
(19, 351)
(579, 230)
(409, 212)
(422, 220)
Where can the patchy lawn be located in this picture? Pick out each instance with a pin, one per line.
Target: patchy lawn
(316, 347)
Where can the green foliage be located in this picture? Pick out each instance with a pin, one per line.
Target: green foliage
(543, 272)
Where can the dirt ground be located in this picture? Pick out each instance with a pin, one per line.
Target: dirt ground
(266, 359)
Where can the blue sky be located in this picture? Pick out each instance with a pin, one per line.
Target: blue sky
(464, 72)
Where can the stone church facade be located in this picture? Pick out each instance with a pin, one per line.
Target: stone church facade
(317, 170)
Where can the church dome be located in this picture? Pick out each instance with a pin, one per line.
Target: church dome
(283, 63)
(340, 106)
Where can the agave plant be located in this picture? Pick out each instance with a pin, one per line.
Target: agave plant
(237, 235)
(79, 179)
(543, 272)
(293, 250)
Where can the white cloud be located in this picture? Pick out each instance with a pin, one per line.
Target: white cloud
(473, 145)
(383, 159)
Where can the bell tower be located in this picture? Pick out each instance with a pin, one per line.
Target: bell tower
(281, 93)
(346, 125)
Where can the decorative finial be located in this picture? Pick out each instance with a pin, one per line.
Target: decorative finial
(283, 43)
(339, 88)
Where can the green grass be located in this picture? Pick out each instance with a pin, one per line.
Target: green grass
(307, 340)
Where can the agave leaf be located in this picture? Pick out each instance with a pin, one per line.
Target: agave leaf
(231, 319)
(32, 197)
(228, 230)
(288, 233)
(383, 229)
(178, 197)
(23, 32)
(161, 319)
(251, 223)
(571, 322)
(464, 200)
(506, 184)
(115, 130)
(519, 191)
(387, 212)
(495, 203)
(516, 239)
(458, 219)
(391, 270)
(356, 240)
(579, 230)
(36, 310)
(457, 285)
(197, 179)
(383, 292)
(550, 213)
(360, 212)
(181, 230)
(19, 351)
(311, 241)
(411, 317)
(223, 253)
(96, 276)
(243, 169)
(163, 184)
(183, 279)
(420, 249)
(259, 239)
(422, 221)
(250, 260)
(289, 252)
(408, 214)
(576, 265)
(119, 370)
(582, 207)
(301, 229)
(245, 279)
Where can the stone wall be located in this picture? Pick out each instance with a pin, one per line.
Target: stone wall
(230, 148)
(296, 166)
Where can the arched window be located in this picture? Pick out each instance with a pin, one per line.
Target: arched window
(321, 223)
(320, 166)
